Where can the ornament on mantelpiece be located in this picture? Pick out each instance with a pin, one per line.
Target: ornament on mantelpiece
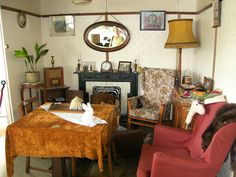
(52, 61)
(78, 66)
(136, 63)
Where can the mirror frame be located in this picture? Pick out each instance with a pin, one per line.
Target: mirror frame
(106, 23)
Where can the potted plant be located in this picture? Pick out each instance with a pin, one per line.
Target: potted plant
(32, 75)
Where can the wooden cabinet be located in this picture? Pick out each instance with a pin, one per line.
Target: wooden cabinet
(55, 94)
(54, 77)
(181, 108)
(54, 90)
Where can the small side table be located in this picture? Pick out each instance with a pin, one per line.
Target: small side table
(30, 86)
(181, 109)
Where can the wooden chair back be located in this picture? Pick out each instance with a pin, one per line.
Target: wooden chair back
(27, 106)
(103, 97)
(70, 94)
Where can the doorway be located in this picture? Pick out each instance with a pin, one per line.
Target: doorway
(5, 107)
(5, 115)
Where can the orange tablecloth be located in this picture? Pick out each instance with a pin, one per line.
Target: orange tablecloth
(43, 134)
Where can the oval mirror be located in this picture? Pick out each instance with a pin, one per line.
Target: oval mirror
(106, 36)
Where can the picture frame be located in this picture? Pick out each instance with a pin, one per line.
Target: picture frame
(89, 66)
(124, 66)
(208, 84)
(62, 25)
(152, 20)
(216, 13)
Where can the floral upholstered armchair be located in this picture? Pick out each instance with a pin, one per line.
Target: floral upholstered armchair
(148, 109)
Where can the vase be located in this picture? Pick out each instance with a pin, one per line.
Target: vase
(32, 77)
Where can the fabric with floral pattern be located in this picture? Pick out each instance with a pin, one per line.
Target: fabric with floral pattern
(157, 84)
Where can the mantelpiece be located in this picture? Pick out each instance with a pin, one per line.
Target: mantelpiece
(84, 77)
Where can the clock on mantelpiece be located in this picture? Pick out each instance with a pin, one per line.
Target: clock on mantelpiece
(106, 66)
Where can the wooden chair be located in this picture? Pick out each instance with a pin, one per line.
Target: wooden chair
(148, 109)
(107, 98)
(24, 108)
(112, 129)
(127, 142)
(70, 94)
(103, 97)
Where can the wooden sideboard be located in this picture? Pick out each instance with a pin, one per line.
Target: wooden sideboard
(181, 108)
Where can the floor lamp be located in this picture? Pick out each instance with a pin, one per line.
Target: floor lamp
(180, 36)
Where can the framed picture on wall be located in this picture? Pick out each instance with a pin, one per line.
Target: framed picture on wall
(216, 13)
(124, 66)
(62, 26)
(152, 20)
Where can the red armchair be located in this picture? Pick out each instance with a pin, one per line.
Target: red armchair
(178, 153)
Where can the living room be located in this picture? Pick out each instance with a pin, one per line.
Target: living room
(214, 58)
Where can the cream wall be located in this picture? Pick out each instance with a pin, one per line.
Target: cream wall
(225, 52)
(204, 54)
(27, 5)
(56, 6)
(202, 3)
(147, 45)
(225, 70)
(17, 37)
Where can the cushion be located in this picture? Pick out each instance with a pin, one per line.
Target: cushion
(148, 113)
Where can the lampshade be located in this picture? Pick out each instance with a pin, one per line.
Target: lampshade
(181, 34)
(81, 2)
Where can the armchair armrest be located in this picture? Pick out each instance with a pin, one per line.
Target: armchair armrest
(170, 165)
(170, 137)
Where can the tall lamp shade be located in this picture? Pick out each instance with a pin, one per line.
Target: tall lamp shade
(180, 36)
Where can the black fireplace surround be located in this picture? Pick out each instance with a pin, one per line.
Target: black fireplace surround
(132, 77)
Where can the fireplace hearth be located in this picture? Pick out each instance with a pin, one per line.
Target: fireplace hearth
(114, 90)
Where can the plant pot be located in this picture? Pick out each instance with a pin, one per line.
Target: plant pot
(32, 77)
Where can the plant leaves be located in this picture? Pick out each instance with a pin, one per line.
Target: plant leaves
(30, 61)
(42, 46)
(24, 50)
(42, 53)
(19, 54)
(36, 47)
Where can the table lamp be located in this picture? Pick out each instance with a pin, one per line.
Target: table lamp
(180, 36)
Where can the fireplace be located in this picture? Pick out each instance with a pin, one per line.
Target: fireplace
(128, 83)
(114, 90)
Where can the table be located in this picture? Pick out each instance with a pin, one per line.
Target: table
(181, 108)
(30, 86)
(43, 134)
